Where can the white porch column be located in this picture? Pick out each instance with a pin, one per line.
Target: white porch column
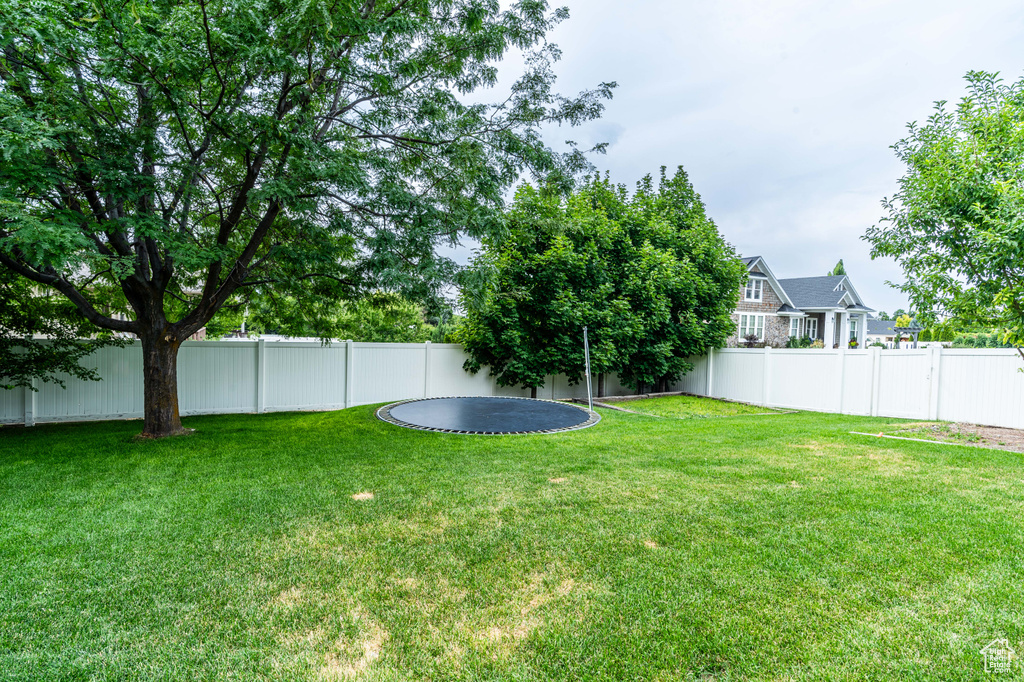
(862, 330)
(829, 337)
(844, 340)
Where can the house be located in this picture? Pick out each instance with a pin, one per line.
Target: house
(881, 331)
(826, 309)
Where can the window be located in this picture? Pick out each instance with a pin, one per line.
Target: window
(751, 324)
(853, 329)
(811, 327)
(754, 290)
(794, 327)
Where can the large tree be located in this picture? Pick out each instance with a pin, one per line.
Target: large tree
(956, 224)
(648, 274)
(164, 158)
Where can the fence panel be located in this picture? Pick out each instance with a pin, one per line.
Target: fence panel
(858, 368)
(981, 387)
(695, 381)
(738, 374)
(388, 371)
(118, 396)
(12, 406)
(801, 379)
(562, 389)
(217, 378)
(903, 389)
(446, 376)
(303, 377)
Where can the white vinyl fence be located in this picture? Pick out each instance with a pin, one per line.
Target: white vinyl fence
(979, 386)
(215, 377)
(218, 377)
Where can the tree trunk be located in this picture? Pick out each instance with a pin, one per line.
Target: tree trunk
(533, 391)
(600, 385)
(160, 385)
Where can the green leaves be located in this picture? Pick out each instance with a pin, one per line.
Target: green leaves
(41, 337)
(649, 275)
(171, 159)
(955, 225)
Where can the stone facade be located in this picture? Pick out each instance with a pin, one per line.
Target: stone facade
(776, 328)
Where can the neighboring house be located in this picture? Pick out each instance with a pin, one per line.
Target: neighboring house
(881, 331)
(827, 309)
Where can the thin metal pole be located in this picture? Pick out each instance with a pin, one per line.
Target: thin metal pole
(586, 357)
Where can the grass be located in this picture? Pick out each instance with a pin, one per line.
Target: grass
(752, 548)
(690, 407)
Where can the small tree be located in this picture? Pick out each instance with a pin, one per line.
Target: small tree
(839, 269)
(649, 275)
(954, 223)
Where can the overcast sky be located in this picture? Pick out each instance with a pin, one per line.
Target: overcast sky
(781, 112)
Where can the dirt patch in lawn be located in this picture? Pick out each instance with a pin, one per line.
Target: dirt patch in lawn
(340, 666)
(289, 598)
(965, 434)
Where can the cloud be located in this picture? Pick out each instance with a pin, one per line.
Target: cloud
(782, 112)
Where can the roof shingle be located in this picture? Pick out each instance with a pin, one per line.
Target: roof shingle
(814, 292)
(881, 327)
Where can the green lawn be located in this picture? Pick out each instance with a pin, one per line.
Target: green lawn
(749, 548)
(690, 407)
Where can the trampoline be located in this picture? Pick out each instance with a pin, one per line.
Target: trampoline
(488, 415)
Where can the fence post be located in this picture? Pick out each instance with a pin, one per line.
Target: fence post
(935, 362)
(30, 403)
(349, 346)
(426, 369)
(261, 376)
(711, 371)
(876, 378)
(766, 376)
(841, 354)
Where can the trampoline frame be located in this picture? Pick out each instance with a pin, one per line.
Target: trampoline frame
(384, 414)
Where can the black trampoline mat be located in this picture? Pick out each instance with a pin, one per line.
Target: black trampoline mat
(487, 415)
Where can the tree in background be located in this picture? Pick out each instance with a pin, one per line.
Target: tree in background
(384, 318)
(379, 317)
(169, 158)
(649, 275)
(839, 269)
(954, 225)
(882, 315)
(42, 336)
